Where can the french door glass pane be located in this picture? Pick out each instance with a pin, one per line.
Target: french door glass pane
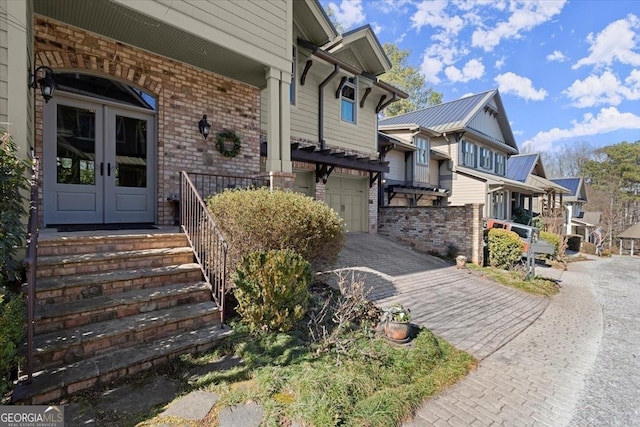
(131, 152)
(76, 146)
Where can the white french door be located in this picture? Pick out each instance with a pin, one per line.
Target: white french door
(98, 163)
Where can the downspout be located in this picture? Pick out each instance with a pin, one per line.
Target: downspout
(336, 70)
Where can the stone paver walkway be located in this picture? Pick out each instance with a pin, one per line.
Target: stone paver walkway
(473, 314)
(535, 379)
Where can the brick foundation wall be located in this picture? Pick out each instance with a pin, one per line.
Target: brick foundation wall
(436, 230)
(183, 94)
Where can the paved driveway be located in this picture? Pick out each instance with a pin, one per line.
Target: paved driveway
(471, 313)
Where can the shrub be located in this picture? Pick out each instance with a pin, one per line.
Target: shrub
(555, 240)
(505, 248)
(272, 289)
(261, 219)
(589, 248)
(11, 334)
(13, 181)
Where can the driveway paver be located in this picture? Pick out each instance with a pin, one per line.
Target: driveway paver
(473, 314)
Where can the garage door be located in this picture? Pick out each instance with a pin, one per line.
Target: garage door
(348, 197)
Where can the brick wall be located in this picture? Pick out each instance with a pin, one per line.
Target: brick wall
(436, 229)
(183, 93)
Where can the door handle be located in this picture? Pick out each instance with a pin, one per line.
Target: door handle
(108, 169)
(101, 169)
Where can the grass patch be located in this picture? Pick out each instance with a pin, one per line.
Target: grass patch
(375, 383)
(517, 279)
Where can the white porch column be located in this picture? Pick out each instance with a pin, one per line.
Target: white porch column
(274, 163)
(569, 216)
(285, 123)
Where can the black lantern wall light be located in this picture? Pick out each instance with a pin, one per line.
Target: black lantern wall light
(204, 126)
(47, 83)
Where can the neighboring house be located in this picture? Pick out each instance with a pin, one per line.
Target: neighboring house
(135, 78)
(469, 141)
(573, 203)
(413, 178)
(528, 168)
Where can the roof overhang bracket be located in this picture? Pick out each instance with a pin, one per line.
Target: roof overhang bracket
(373, 177)
(323, 171)
(303, 76)
(381, 106)
(343, 80)
(380, 102)
(366, 93)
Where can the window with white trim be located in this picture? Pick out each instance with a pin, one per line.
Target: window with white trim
(498, 205)
(501, 162)
(348, 100)
(486, 159)
(468, 154)
(422, 155)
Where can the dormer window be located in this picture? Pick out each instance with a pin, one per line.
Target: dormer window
(348, 100)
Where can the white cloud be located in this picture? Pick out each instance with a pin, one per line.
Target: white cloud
(500, 63)
(616, 42)
(430, 68)
(608, 120)
(556, 56)
(595, 90)
(349, 13)
(432, 13)
(519, 86)
(525, 15)
(604, 89)
(472, 70)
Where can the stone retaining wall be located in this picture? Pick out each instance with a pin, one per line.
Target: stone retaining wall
(442, 231)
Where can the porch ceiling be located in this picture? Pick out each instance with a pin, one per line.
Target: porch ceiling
(125, 25)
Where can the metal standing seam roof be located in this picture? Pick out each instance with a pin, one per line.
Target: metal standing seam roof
(519, 167)
(455, 115)
(571, 184)
(492, 179)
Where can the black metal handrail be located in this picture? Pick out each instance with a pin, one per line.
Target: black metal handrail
(31, 262)
(209, 185)
(206, 240)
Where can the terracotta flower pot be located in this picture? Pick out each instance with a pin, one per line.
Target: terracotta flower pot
(397, 331)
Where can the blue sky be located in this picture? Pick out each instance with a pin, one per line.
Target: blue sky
(567, 71)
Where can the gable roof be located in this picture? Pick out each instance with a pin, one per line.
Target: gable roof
(362, 44)
(456, 116)
(497, 180)
(520, 166)
(576, 188)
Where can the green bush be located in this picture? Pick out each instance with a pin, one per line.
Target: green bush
(272, 289)
(555, 240)
(261, 219)
(14, 182)
(505, 248)
(11, 335)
